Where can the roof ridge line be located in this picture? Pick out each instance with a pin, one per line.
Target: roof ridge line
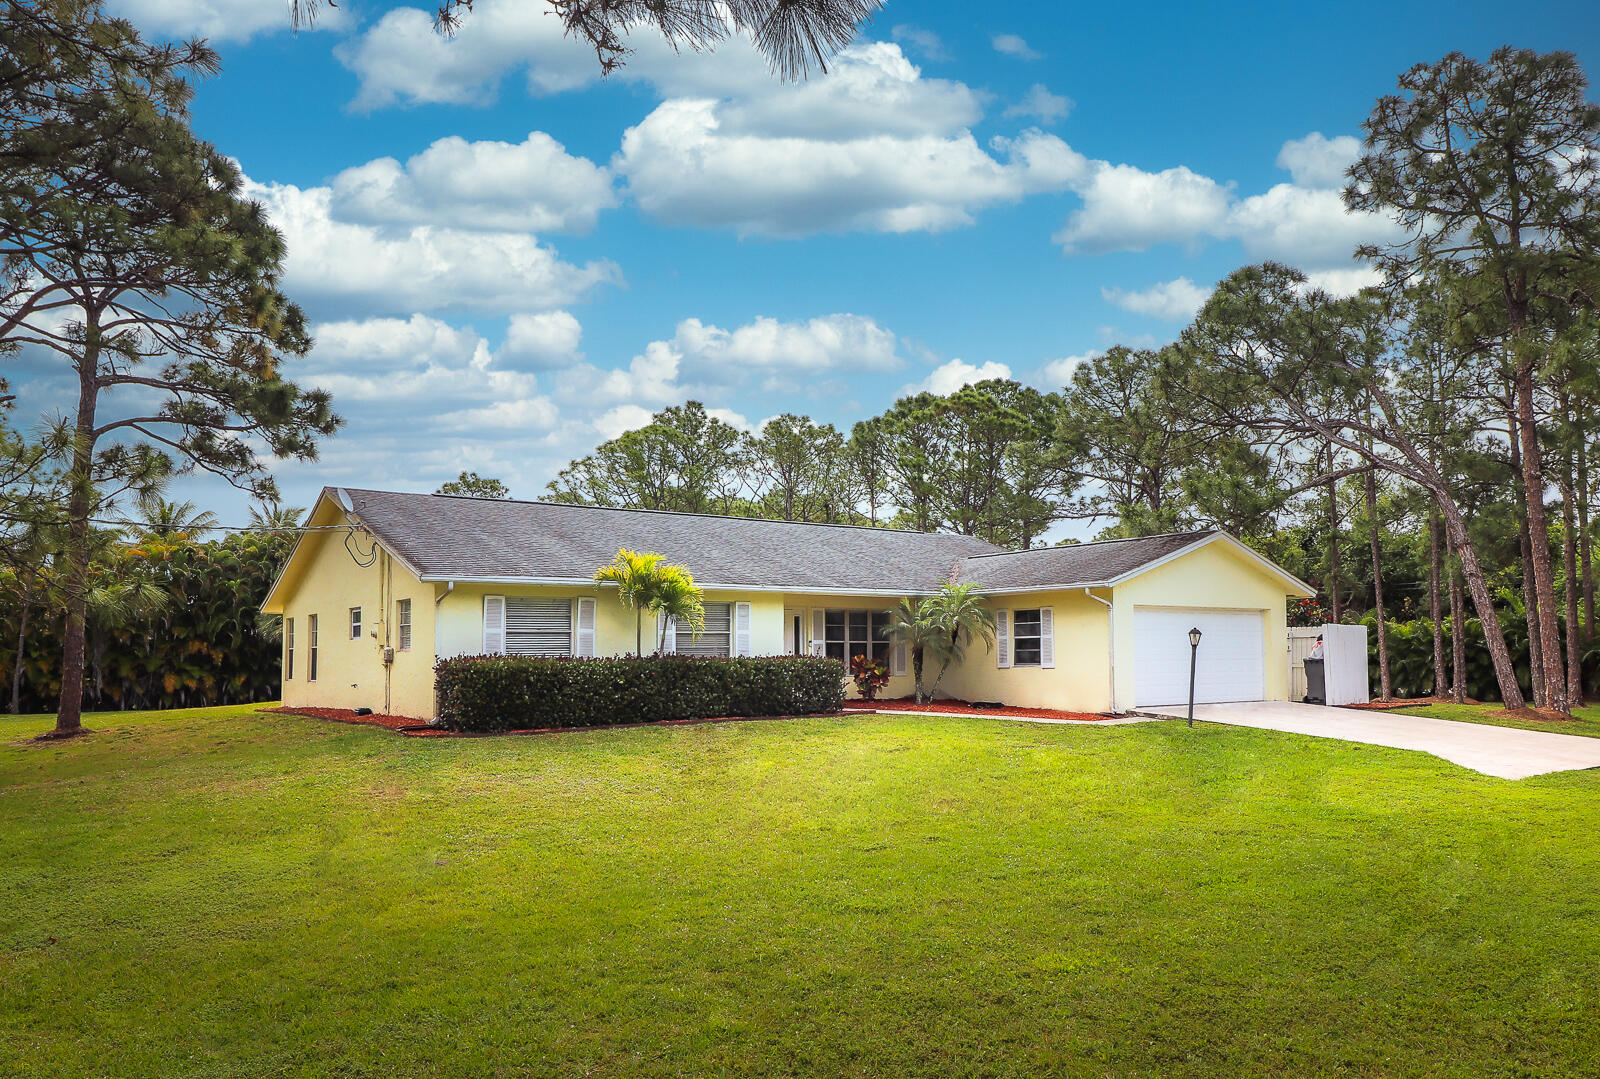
(1095, 543)
(674, 513)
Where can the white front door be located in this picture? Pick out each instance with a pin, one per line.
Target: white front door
(1230, 664)
(794, 638)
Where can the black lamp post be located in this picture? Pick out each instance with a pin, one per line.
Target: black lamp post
(1194, 650)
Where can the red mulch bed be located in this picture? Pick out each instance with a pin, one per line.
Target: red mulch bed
(967, 708)
(345, 715)
(1412, 702)
(416, 728)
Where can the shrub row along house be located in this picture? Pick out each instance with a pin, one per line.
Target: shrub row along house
(384, 584)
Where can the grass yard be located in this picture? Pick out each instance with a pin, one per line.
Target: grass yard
(1584, 721)
(223, 893)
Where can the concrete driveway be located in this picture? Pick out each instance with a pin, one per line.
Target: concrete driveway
(1496, 751)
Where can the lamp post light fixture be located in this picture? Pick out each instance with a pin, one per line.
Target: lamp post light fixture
(1194, 651)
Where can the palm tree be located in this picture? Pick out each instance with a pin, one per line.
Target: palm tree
(938, 628)
(680, 599)
(271, 517)
(173, 520)
(645, 583)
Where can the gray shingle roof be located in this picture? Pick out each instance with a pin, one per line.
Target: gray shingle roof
(452, 538)
(1074, 565)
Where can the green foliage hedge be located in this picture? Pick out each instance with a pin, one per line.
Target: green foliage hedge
(498, 693)
(1411, 656)
(205, 646)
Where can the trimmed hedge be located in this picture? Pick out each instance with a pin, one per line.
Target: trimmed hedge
(501, 693)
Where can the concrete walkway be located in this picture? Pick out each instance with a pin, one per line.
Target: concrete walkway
(1506, 752)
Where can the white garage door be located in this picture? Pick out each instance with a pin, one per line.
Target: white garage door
(1230, 660)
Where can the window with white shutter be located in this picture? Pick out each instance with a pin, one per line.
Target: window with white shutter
(402, 624)
(288, 648)
(1047, 636)
(311, 654)
(1002, 638)
(538, 627)
(741, 629)
(669, 639)
(1027, 641)
(494, 625)
(583, 646)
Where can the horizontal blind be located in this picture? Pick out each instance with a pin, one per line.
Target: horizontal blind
(717, 640)
(538, 627)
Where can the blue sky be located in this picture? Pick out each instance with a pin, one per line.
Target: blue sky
(509, 259)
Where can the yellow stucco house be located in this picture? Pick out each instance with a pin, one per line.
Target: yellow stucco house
(382, 584)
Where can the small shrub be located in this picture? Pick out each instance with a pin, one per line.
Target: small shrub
(869, 676)
(500, 693)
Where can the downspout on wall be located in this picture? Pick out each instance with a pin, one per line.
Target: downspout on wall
(449, 587)
(1111, 645)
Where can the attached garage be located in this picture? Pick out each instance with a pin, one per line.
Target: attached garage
(1230, 662)
(1121, 611)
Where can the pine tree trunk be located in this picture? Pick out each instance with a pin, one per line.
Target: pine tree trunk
(1434, 612)
(1530, 595)
(1570, 592)
(1584, 566)
(1385, 684)
(16, 667)
(1472, 574)
(1458, 640)
(1333, 542)
(1539, 544)
(69, 710)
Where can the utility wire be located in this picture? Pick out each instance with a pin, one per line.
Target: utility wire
(147, 527)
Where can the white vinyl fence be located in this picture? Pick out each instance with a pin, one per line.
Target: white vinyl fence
(1345, 662)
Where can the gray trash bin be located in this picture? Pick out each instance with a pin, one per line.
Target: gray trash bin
(1316, 683)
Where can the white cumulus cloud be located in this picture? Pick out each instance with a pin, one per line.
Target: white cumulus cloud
(682, 167)
(1303, 223)
(1304, 226)
(701, 360)
(1040, 104)
(927, 44)
(1318, 161)
(534, 186)
(545, 338)
(420, 268)
(1128, 209)
(219, 20)
(1013, 45)
(951, 375)
(401, 59)
(1174, 301)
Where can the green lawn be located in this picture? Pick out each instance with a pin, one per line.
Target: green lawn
(1584, 721)
(222, 893)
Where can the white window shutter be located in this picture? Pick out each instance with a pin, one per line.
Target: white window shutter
(741, 629)
(1002, 638)
(897, 656)
(669, 643)
(1047, 636)
(583, 631)
(494, 625)
(819, 630)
